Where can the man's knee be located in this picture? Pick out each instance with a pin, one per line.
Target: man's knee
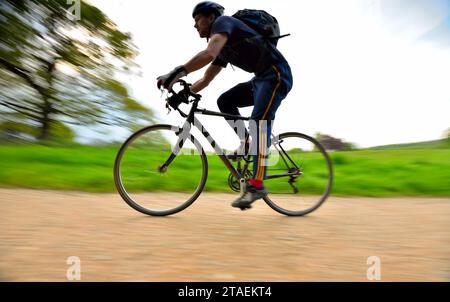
(224, 103)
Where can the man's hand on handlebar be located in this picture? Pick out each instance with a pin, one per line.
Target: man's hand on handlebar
(171, 78)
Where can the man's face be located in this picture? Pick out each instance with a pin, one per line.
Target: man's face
(202, 24)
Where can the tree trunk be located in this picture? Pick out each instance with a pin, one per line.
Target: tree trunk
(47, 108)
(45, 121)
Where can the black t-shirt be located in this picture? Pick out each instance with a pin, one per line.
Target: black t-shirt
(252, 55)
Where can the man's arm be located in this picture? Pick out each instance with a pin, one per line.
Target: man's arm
(206, 56)
(209, 75)
(202, 59)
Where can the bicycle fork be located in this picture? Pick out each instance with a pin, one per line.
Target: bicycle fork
(183, 134)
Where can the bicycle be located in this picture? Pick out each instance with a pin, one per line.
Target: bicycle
(158, 157)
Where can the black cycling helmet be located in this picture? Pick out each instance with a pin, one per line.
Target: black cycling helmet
(208, 7)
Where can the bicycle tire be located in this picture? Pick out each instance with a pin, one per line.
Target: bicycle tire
(136, 205)
(273, 204)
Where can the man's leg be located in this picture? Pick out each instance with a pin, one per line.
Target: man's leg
(237, 97)
(268, 91)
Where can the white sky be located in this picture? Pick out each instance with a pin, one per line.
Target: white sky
(360, 71)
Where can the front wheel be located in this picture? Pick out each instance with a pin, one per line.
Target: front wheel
(299, 174)
(159, 173)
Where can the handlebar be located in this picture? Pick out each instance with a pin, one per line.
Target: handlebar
(182, 96)
(186, 91)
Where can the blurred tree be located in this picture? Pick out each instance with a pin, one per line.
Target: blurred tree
(17, 131)
(54, 68)
(14, 131)
(332, 143)
(349, 146)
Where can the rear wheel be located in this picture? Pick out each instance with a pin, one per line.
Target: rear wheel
(299, 174)
(153, 160)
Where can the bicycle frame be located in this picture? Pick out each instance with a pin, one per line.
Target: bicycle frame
(186, 129)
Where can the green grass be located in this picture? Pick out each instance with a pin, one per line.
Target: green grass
(435, 144)
(390, 172)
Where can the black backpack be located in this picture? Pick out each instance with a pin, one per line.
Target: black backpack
(262, 22)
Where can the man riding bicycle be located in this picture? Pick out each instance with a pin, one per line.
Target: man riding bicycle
(232, 41)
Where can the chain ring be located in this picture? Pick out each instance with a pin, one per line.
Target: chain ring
(234, 183)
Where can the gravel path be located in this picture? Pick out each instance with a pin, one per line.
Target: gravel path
(211, 241)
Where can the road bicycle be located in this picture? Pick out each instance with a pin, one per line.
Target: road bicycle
(171, 160)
